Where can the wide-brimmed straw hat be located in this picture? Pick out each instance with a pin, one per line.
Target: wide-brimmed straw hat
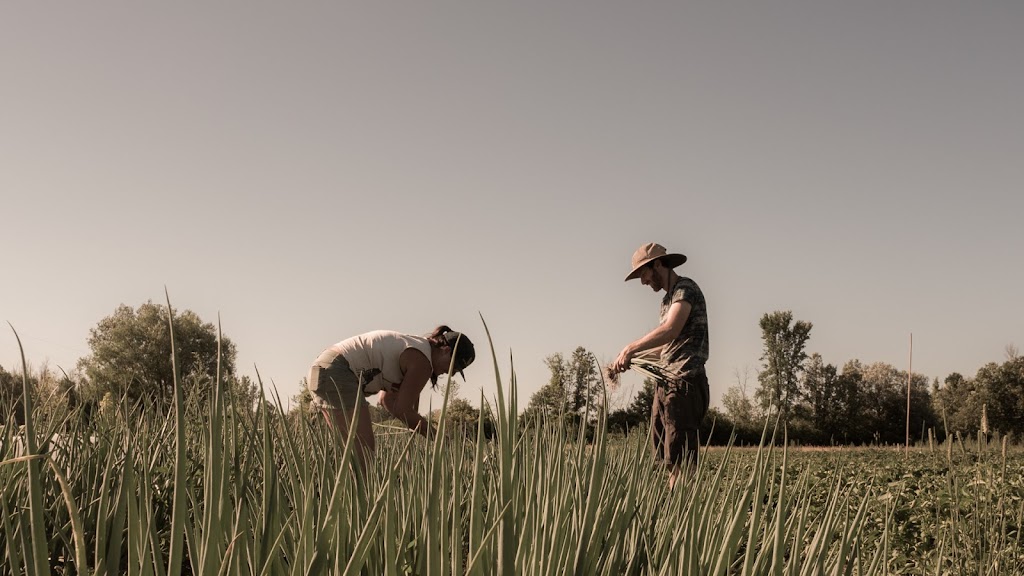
(649, 253)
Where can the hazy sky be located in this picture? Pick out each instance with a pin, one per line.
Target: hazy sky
(313, 170)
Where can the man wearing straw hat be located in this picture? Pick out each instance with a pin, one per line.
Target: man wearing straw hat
(682, 395)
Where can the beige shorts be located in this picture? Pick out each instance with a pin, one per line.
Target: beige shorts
(333, 383)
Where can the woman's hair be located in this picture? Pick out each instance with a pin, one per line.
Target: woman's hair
(437, 336)
(461, 346)
(437, 340)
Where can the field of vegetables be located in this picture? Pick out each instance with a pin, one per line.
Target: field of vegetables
(223, 489)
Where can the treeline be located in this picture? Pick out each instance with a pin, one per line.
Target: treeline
(814, 401)
(867, 404)
(820, 403)
(130, 366)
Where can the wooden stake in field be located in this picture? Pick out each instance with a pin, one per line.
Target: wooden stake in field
(910, 374)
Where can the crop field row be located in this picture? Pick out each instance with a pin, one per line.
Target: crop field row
(217, 488)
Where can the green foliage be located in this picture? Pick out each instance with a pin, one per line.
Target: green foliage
(739, 408)
(225, 486)
(546, 403)
(12, 408)
(1004, 384)
(53, 393)
(859, 405)
(304, 399)
(642, 405)
(884, 404)
(996, 388)
(585, 385)
(575, 390)
(846, 410)
(960, 402)
(822, 393)
(266, 495)
(638, 413)
(822, 405)
(131, 354)
(463, 418)
(783, 359)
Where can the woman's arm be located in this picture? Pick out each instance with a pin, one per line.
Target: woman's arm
(403, 403)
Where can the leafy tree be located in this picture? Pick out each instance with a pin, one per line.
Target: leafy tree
(462, 416)
(849, 423)
(848, 404)
(131, 354)
(1003, 386)
(546, 403)
(585, 391)
(783, 359)
(959, 403)
(954, 380)
(575, 389)
(11, 401)
(53, 395)
(738, 406)
(719, 429)
(884, 405)
(460, 412)
(822, 393)
(922, 412)
(945, 396)
(302, 401)
(642, 405)
(638, 412)
(740, 416)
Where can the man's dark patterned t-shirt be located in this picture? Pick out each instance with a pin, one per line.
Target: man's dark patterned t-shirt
(689, 351)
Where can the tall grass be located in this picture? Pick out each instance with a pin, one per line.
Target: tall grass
(228, 489)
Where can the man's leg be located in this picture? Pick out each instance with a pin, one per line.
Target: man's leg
(672, 433)
(687, 404)
(658, 451)
(684, 465)
(698, 401)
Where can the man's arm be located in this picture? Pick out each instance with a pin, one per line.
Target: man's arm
(666, 332)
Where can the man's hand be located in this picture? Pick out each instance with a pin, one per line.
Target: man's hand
(621, 364)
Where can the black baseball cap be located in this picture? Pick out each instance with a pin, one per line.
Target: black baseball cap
(463, 352)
